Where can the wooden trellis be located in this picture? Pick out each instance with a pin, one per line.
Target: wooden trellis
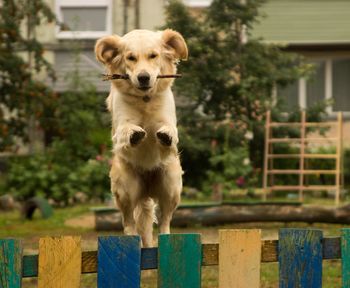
(303, 142)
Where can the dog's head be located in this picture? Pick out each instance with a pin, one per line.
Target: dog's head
(143, 55)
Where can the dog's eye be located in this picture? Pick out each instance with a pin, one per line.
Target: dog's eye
(131, 58)
(153, 55)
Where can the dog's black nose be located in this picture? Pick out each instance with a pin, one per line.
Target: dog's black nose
(143, 78)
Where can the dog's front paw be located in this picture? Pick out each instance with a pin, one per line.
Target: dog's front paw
(167, 136)
(164, 138)
(136, 137)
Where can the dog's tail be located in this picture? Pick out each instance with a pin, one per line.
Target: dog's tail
(144, 213)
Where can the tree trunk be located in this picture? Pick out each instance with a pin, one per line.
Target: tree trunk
(210, 215)
(226, 214)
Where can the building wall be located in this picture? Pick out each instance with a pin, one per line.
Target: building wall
(304, 21)
(152, 14)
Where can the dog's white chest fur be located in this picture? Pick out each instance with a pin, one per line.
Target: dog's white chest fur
(150, 116)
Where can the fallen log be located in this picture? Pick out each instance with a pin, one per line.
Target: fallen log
(211, 215)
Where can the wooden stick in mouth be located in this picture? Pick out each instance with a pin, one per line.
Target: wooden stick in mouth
(107, 77)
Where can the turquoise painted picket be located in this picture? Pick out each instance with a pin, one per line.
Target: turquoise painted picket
(179, 259)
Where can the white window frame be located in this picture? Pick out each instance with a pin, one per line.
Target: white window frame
(329, 84)
(197, 3)
(84, 34)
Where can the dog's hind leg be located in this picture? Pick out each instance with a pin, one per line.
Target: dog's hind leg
(126, 188)
(144, 215)
(169, 193)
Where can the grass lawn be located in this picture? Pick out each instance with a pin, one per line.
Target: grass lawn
(30, 231)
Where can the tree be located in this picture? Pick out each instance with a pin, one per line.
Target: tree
(22, 98)
(229, 79)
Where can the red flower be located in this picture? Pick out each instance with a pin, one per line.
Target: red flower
(99, 158)
(240, 181)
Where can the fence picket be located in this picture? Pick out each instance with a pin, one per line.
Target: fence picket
(179, 257)
(179, 261)
(119, 262)
(345, 257)
(59, 262)
(300, 258)
(239, 258)
(10, 263)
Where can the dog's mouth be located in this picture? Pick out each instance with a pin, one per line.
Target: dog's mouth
(144, 88)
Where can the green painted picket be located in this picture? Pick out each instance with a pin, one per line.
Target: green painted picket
(179, 259)
(10, 263)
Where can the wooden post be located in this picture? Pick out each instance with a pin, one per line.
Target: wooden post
(119, 262)
(272, 176)
(239, 258)
(339, 153)
(266, 162)
(10, 263)
(345, 257)
(300, 258)
(302, 153)
(179, 260)
(59, 262)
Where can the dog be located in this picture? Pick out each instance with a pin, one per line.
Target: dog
(146, 168)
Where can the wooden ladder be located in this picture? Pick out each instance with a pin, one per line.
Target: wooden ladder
(303, 141)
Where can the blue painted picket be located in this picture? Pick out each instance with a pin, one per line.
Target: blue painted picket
(119, 262)
(300, 258)
(179, 258)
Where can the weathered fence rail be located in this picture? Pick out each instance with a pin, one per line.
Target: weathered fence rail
(119, 260)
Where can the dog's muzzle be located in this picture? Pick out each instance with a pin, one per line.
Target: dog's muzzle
(144, 80)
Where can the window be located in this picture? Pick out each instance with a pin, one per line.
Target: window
(341, 85)
(289, 95)
(331, 80)
(84, 19)
(68, 64)
(315, 87)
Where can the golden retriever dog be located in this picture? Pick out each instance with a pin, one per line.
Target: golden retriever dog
(146, 167)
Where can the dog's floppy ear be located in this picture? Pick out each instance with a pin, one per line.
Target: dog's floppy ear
(107, 48)
(176, 42)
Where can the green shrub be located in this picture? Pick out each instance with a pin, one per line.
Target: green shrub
(92, 178)
(231, 169)
(39, 175)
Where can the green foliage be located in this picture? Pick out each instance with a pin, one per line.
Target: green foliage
(231, 169)
(224, 74)
(42, 175)
(37, 176)
(77, 121)
(77, 117)
(76, 135)
(23, 98)
(228, 81)
(92, 178)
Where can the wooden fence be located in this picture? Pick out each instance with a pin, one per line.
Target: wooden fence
(119, 259)
(303, 156)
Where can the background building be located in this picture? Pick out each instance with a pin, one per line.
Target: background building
(317, 29)
(82, 22)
